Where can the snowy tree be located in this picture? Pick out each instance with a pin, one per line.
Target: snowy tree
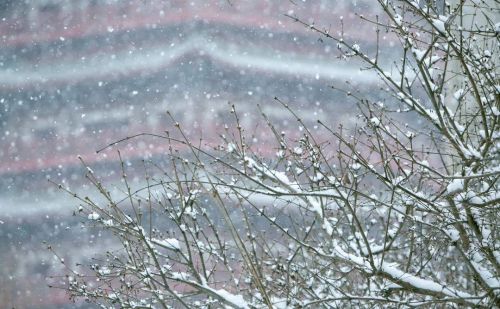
(399, 210)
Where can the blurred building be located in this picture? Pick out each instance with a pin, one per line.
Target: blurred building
(98, 70)
(76, 75)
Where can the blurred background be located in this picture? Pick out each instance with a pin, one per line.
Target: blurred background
(76, 75)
